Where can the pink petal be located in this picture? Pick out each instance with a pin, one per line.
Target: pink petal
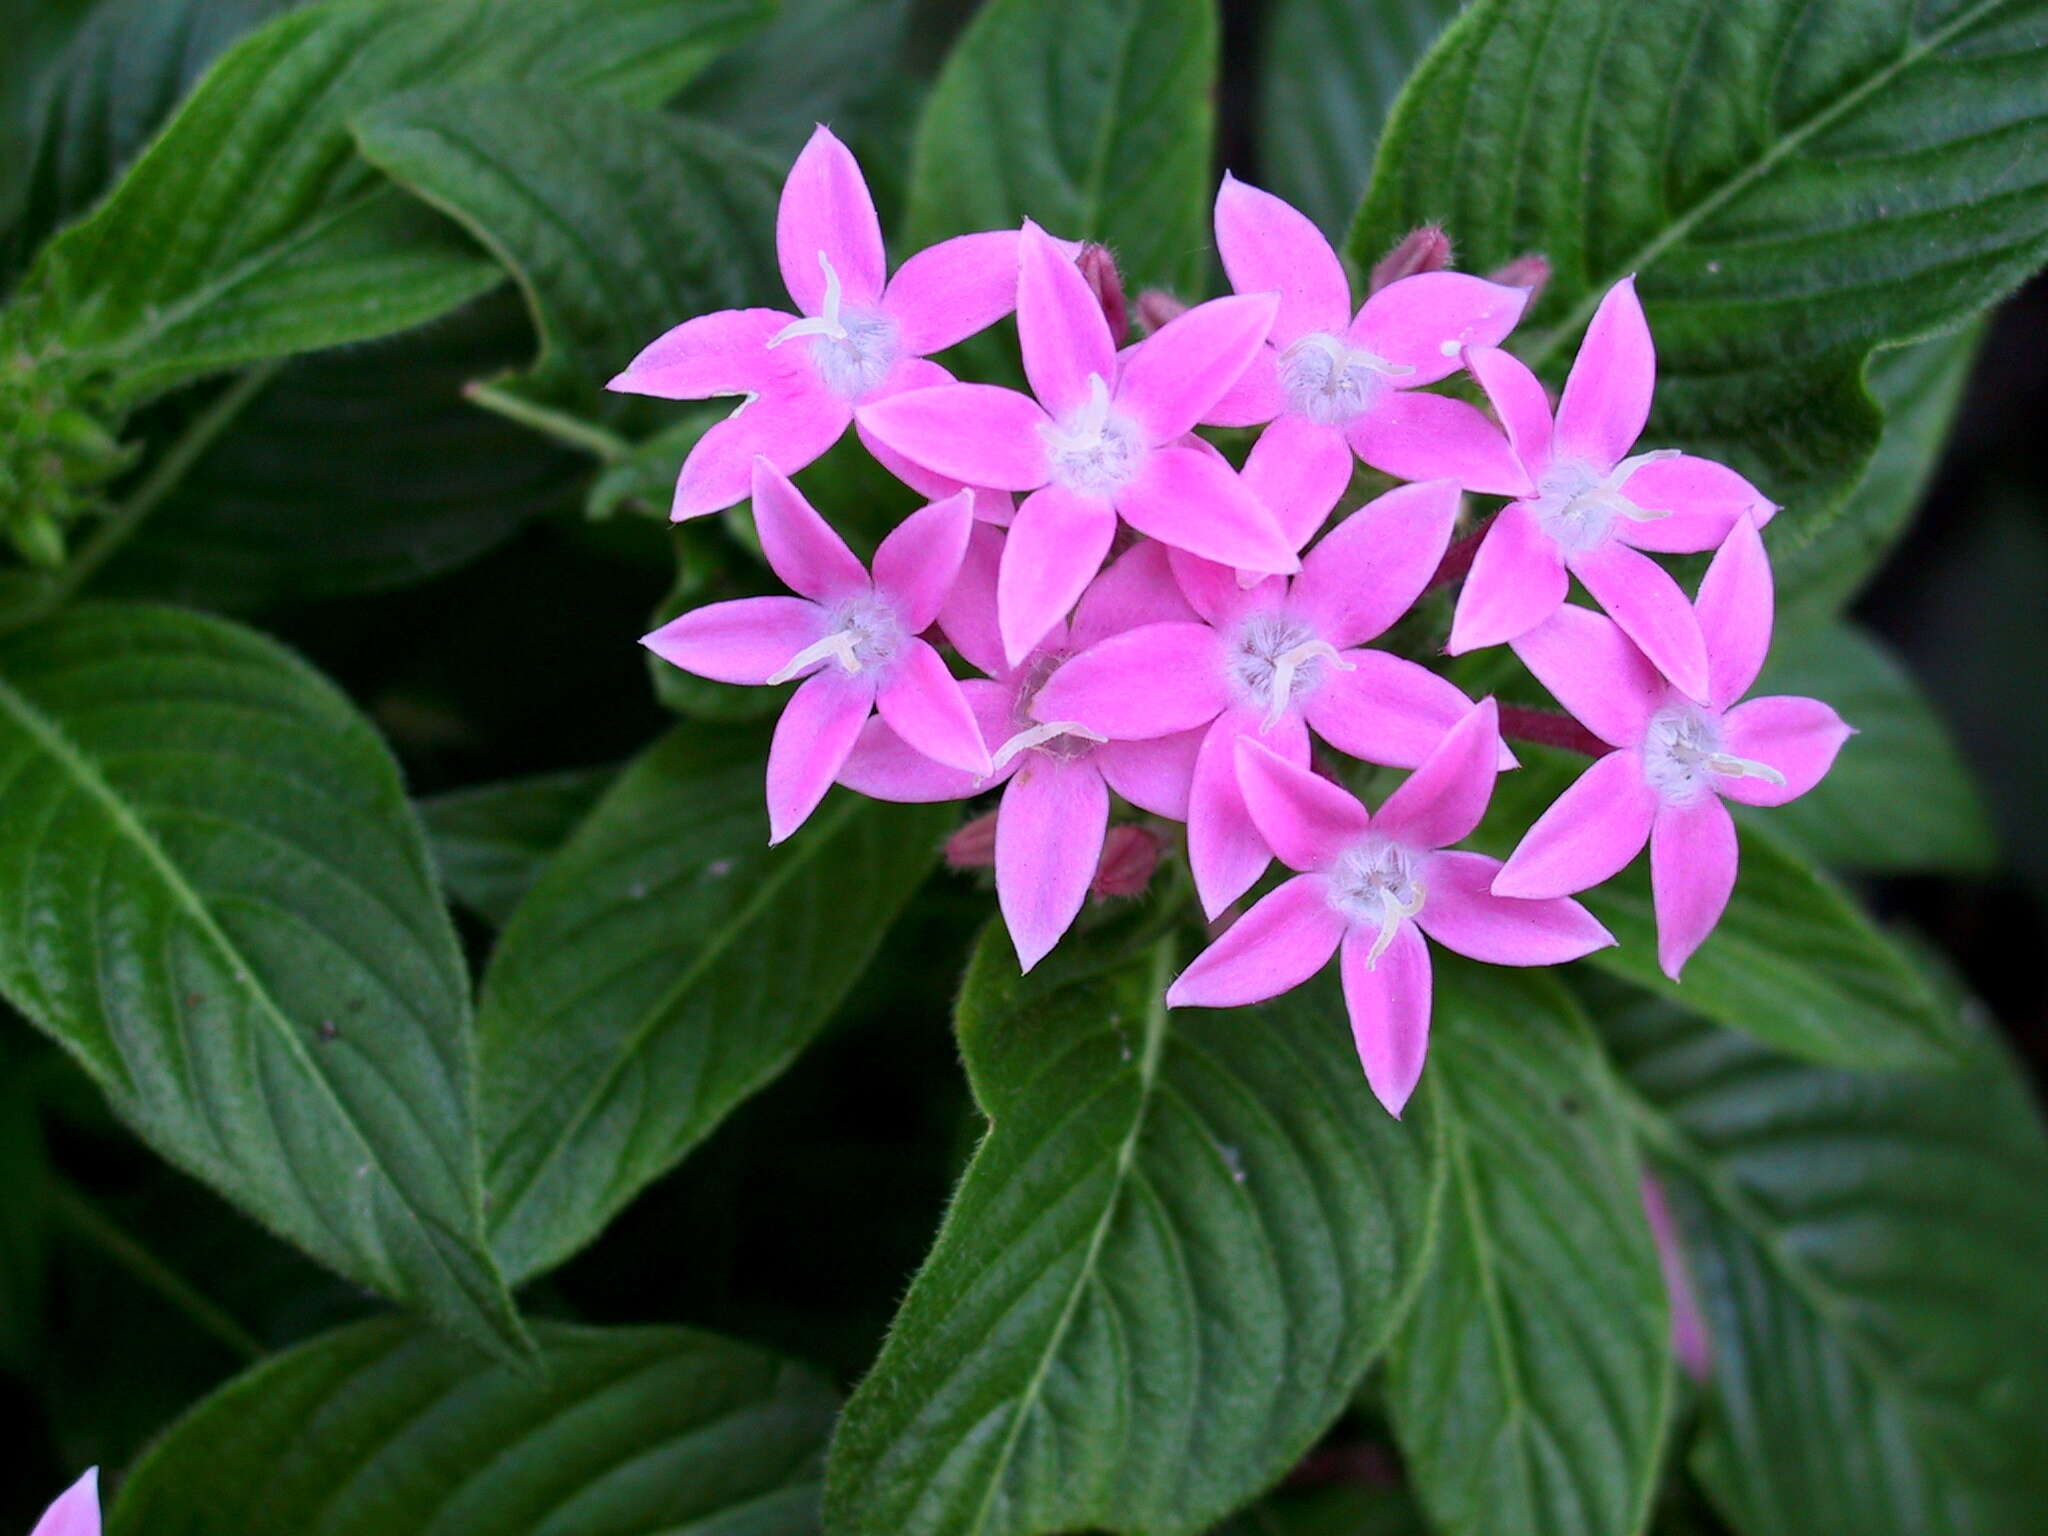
(1154, 775)
(1215, 592)
(1735, 611)
(1370, 568)
(1607, 397)
(747, 640)
(1285, 939)
(1060, 326)
(1268, 246)
(908, 374)
(1226, 852)
(789, 426)
(1442, 801)
(1256, 396)
(1053, 551)
(1185, 498)
(1588, 835)
(1304, 818)
(1518, 399)
(1517, 581)
(76, 1512)
(1388, 1000)
(726, 353)
(1298, 468)
(923, 704)
(975, 433)
(1692, 872)
(1641, 597)
(1413, 435)
(883, 766)
(811, 743)
(1176, 374)
(949, 291)
(800, 545)
(1136, 588)
(1048, 839)
(919, 560)
(1462, 914)
(1150, 681)
(1595, 672)
(969, 615)
(826, 211)
(1798, 737)
(1702, 500)
(1386, 709)
(1425, 322)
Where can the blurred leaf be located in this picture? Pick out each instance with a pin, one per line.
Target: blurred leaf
(388, 1428)
(1793, 187)
(23, 1227)
(225, 912)
(667, 965)
(1868, 1251)
(1178, 1247)
(490, 843)
(1337, 1509)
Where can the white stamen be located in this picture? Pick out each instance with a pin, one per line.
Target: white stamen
(1376, 882)
(1285, 667)
(1094, 450)
(1731, 766)
(1038, 736)
(1330, 381)
(1392, 910)
(826, 324)
(841, 643)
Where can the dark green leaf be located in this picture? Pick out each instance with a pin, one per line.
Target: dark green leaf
(1179, 1246)
(387, 1428)
(23, 1229)
(221, 905)
(1333, 1509)
(491, 843)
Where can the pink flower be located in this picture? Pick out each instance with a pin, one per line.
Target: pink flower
(76, 1512)
(860, 334)
(852, 638)
(1374, 886)
(1330, 381)
(1277, 661)
(1675, 759)
(1055, 807)
(1595, 509)
(1099, 441)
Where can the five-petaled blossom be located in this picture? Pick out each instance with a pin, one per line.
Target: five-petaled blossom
(1275, 661)
(1373, 886)
(1595, 507)
(1103, 438)
(1676, 758)
(861, 334)
(853, 639)
(76, 1512)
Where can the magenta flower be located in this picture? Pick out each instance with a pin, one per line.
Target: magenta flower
(1050, 829)
(860, 334)
(1331, 381)
(1675, 759)
(852, 638)
(1276, 661)
(1103, 438)
(1595, 508)
(1374, 886)
(76, 1512)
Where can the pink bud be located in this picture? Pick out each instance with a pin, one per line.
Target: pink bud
(974, 845)
(1156, 306)
(1688, 1325)
(1099, 267)
(1427, 249)
(1531, 272)
(1129, 855)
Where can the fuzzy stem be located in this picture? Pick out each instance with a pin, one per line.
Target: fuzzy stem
(1458, 558)
(1546, 728)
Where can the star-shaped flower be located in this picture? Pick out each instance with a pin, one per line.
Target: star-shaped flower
(76, 1512)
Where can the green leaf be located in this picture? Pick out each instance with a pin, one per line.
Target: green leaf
(667, 965)
(1900, 796)
(1793, 186)
(1530, 1386)
(219, 902)
(388, 1428)
(287, 242)
(1868, 1250)
(1331, 71)
(1177, 1249)
(1095, 118)
(492, 842)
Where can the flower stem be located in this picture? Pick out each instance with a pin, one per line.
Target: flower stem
(1458, 558)
(1547, 728)
(570, 431)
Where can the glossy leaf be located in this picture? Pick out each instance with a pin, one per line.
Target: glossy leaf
(666, 966)
(1178, 1247)
(221, 905)
(387, 1428)
(491, 843)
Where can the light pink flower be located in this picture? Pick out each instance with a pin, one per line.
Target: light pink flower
(1331, 381)
(852, 638)
(76, 1512)
(1276, 661)
(1099, 441)
(859, 334)
(1595, 508)
(1055, 807)
(1373, 886)
(1675, 759)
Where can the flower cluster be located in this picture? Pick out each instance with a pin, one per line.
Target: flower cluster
(1151, 623)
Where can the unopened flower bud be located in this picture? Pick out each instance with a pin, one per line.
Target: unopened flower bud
(973, 846)
(1531, 272)
(1688, 1324)
(39, 539)
(1156, 306)
(1129, 856)
(1427, 249)
(1099, 267)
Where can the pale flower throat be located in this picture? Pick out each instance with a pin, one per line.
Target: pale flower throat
(1096, 448)
(1062, 739)
(854, 349)
(1577, 506)
(1683, 753)
(865, 633)
(1273, 659)
(1330, 381)
(1374, 883)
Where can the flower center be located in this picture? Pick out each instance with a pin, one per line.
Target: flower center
(1375, 883)
(1274, 659)
(1330, 381)
(1683, 753)
(1576, 505)
(852, 349)
(1065, 740)
(865, 633)
(1095, 449)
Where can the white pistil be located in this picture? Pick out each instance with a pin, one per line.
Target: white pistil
(1286, 665)
(1038, 736)
(826, 324)
(1392, 911)
(841, 643)
(1730, 766)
